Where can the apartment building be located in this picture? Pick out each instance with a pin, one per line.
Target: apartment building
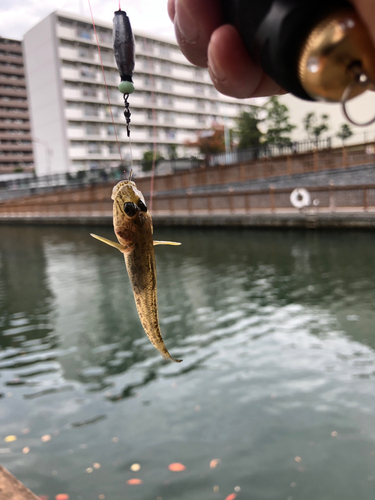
(16, 149)
(173, 100)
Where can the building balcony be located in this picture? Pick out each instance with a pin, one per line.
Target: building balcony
(16, 159)
(15, 115)
(15, 48)
(23, 136)
(8, 168)
(11, 59)
(14, 126)
(13, 103)
(16, 147)
(12, 93)
(19, 82)
(8, 70)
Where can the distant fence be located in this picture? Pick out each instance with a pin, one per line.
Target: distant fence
(268, 150)
(43, 184)
(96, 202)
(241, 171)
(263, 168)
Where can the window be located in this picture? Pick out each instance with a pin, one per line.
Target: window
(111, 77)
(107, 56)
(92, 130)
(89, 91)
(198, 73)
(87, 72)
(148, 64)
(91, 111)
(105, 38)
(94, 147)
(164, 51)
(148, 46)
(110, 130)
(84, 34)
(167, 100)
(165, 68)
(85, 53)
(152, 115)
(169, 117)
(170, 133)
(167, 85)
(199, 89)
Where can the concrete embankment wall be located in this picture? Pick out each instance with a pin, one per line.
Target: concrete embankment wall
(266, 220)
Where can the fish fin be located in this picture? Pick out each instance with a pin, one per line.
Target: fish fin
(166, 243)
(169, 357)
(113, 244)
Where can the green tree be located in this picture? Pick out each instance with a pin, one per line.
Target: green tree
(172, 151)
(247, 130)
(315, 126)
(344, 133)
(277, 123)
(148, 158)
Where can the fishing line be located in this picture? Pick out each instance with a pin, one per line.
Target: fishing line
(105, 83)
(131, 153)
(153, 101)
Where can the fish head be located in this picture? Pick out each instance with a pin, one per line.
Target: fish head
(131, 220)
(128, 200)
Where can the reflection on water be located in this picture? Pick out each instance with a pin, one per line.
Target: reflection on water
(276, 330)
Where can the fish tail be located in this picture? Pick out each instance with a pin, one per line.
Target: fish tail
(167, 356)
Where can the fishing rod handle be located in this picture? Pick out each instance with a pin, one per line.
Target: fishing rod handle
(314, 49)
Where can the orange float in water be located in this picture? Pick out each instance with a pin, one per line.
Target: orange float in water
(232, 496)
(176, 467)
(134, 481)
(62, 496)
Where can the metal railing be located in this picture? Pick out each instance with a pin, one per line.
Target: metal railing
(263, 168)
(199, 175)
(96, 202)
(268, 150)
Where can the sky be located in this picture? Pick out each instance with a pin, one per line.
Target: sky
(147, 15)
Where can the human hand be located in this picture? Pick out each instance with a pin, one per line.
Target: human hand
(206, 42)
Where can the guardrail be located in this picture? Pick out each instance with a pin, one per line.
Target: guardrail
(263, 168)
(97, 203)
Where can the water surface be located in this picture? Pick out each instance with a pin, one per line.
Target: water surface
(276, 330)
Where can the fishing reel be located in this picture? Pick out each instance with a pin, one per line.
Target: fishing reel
(318, 50)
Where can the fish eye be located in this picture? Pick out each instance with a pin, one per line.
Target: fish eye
(142, 206)
(130, 209)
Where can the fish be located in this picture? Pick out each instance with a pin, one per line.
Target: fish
(133, 228)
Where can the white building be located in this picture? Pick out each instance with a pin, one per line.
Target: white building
(70, 116)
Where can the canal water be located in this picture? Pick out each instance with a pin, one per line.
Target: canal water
(275, 398)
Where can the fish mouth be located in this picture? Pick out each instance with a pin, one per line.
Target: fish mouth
(126, 186)
(130, 200)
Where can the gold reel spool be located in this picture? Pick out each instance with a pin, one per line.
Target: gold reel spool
(337, 61)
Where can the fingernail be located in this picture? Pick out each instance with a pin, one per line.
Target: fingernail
(186, 23)
(215, 69)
